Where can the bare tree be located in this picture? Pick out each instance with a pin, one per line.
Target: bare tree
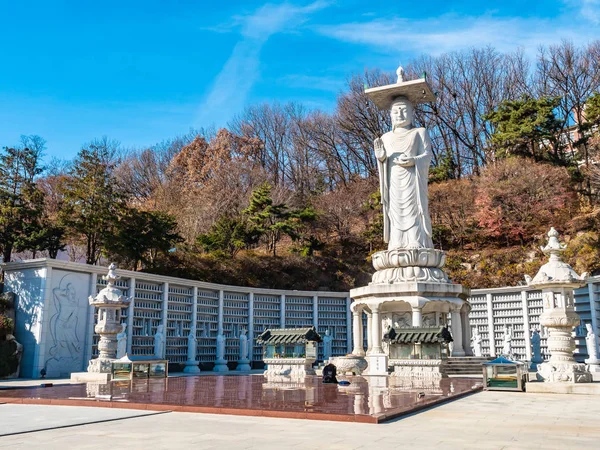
(360, 122)
(467, 85)
(572, 74)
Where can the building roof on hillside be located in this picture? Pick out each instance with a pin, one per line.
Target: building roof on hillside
(288, 336)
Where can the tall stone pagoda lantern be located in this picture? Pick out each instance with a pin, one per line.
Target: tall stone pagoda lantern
(557, 280)
(108, 304)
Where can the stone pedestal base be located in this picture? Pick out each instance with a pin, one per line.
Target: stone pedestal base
(221, 366)
(243, 365)
(90, 377)
(353, 364)
(433, 385)
(419, 368)
(593, 365)
(191, 367)
(377, 364)
(292, 368)
(100, 365)
(563, 372)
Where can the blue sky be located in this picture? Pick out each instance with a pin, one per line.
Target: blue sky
(144, 71)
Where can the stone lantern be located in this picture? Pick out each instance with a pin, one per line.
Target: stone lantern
(108, 303)
(557, 280)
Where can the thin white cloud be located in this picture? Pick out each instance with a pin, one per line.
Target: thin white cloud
(590, 10)
(241, 70)
(450, 33)
(312, 82)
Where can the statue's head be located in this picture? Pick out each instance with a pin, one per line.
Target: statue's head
(402, 112)
(588, 326)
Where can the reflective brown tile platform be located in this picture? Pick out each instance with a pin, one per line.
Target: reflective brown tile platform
(366, 399)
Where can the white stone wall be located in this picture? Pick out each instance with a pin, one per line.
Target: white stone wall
(29, 286)
(520, 308)
(66, 310)
(60, 289)
(49, 291)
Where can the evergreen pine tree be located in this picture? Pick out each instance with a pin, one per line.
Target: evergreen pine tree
(527, 127)
(92, 200)
(21, 202)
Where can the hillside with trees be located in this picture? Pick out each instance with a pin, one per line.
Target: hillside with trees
(287, 197)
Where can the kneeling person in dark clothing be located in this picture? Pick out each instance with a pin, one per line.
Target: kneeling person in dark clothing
(329, 372)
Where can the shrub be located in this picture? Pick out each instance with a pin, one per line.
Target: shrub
(5, 303)
(6, 325)
(518, 199)
(8, 359)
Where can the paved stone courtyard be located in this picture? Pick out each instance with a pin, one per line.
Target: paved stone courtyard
(486, 420)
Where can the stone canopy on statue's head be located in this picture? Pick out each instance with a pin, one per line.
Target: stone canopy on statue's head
(415, 91)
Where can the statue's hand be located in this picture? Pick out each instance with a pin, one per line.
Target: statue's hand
(404, 161)
(379, 149)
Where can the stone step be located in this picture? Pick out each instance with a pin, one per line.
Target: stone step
(474, 367)
(469, 358)
(465, 365)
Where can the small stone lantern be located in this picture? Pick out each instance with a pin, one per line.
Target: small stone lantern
(557, 280)
(109, 303)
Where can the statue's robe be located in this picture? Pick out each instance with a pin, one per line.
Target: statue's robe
(404, 189)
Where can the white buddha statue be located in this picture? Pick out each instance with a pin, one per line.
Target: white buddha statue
(220, 346)
(476, 342)
(160, 343)
(243, 344)
(122, 341)
(327, 346)
(404, 155)
(192, 344)
(590, 342)
(507, 342)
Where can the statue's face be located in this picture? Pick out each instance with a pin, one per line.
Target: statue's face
(402, 113)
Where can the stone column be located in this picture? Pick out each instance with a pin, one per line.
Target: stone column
(457, 349)
(526, 328)
(417, 317)
(191, 365)
(466, 331)
(376, 331)
(349, 334)
(357, 333)
(220, 313)
(130, 309)
(221, 342)
(491, 331)
(594, 319)
(282, 311)
(251, 326)
(369, 331)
